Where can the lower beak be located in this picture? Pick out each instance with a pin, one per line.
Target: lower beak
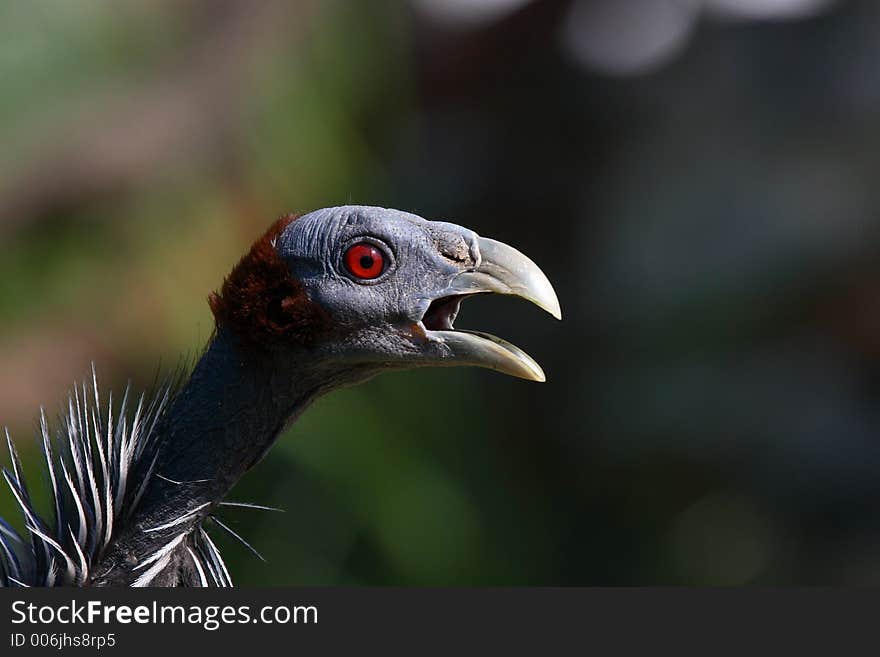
(501, 270)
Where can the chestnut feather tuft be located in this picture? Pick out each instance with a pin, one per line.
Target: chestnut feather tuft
(262, 302)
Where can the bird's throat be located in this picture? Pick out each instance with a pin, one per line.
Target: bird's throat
(235, 404)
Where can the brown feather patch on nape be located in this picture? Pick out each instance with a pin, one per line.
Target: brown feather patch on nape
(262, 302)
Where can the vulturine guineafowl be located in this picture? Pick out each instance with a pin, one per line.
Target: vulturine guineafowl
(327, 299)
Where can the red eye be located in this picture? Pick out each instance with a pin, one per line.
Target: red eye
(364, 260)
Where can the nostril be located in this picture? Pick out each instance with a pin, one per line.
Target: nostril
(453, 247)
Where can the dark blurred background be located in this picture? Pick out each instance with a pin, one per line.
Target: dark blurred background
(698, 178)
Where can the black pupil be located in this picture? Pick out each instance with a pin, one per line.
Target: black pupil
(367, 261)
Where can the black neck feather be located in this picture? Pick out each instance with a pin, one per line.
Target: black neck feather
(236, 402)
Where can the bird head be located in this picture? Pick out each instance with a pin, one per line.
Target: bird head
(377, 289)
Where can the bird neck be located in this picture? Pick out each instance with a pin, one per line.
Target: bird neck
(235, 404)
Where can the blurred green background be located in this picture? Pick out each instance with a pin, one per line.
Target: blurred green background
(698, 179)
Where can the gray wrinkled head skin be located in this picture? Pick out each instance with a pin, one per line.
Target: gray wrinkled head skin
(376, 317)
(389, 322)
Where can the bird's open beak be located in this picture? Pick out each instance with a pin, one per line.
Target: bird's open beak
(501, 270)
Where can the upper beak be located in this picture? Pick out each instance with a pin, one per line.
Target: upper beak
(504, 270)
(501, 269)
